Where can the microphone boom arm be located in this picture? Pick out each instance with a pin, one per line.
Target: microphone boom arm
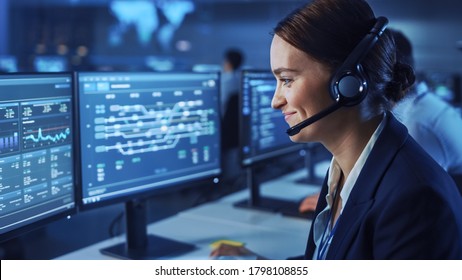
(296, 128)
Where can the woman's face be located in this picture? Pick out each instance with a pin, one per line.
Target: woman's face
(302, 88)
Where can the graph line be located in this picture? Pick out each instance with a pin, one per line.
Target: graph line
(54, 138)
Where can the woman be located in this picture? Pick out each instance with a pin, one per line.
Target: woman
(383, 197)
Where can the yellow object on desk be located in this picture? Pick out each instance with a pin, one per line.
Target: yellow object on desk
(217, 243)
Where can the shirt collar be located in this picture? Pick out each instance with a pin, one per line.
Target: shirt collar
(335, 172)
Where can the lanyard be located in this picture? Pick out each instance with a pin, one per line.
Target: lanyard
(325, 242)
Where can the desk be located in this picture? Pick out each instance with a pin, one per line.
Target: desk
(281, 195)
(268, 234)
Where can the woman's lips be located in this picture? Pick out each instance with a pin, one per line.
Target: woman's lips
(288, 115)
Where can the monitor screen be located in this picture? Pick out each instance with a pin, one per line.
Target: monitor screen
(36, 150)
(144, 131)
(141, 133)
(263, 129)
(50, 63)
(8, 63)
(445, 85)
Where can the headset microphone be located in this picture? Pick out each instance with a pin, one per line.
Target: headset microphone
(348, 86)
(296, 128)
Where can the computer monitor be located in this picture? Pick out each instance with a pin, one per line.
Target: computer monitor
(445, 85)
(36, 151)
(141, 133)
(8, 63)
(51, 63)
(263, 134)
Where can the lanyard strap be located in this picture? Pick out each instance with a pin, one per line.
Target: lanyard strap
(325, 242)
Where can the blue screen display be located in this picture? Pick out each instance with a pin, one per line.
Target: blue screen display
(36, 148)
(8, 63)
(145, 131)
(50, 64)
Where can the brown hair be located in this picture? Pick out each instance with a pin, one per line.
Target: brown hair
(328, 30)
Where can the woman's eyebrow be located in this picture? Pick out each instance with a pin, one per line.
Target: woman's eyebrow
(278, 71)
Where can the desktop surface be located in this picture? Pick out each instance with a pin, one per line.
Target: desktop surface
(270, 234)
(202, 231)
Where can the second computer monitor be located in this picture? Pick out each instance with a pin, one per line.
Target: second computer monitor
(145, 131)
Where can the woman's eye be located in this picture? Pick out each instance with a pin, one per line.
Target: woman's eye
(286, 82)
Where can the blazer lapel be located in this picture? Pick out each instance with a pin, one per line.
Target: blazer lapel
(362, 196)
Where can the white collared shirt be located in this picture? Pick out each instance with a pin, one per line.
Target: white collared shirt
(321, 222)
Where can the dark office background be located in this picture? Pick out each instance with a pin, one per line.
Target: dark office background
(91, 32)
(179, 35)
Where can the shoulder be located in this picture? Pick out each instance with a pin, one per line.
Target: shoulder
(415, 177)
(411, 207)
(413, 173)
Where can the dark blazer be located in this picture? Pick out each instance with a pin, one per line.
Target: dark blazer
(403, 206)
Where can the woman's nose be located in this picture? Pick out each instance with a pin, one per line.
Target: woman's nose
(278, 100)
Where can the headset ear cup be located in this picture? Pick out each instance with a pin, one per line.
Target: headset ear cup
(349, 88)
(352, 88)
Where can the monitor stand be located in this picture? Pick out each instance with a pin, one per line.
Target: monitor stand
(310, 164)
(258, 202)
(139, 245)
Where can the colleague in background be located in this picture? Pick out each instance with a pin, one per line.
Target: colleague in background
(230, 88)
(230, 76)
(384, 197)
(431, 121)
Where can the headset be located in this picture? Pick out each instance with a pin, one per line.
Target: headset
(348, 85)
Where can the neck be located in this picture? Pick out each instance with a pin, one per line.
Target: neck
(351, 144)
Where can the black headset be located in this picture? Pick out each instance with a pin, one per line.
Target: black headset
(348, 85)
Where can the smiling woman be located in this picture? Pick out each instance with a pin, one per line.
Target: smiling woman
(337, 54)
